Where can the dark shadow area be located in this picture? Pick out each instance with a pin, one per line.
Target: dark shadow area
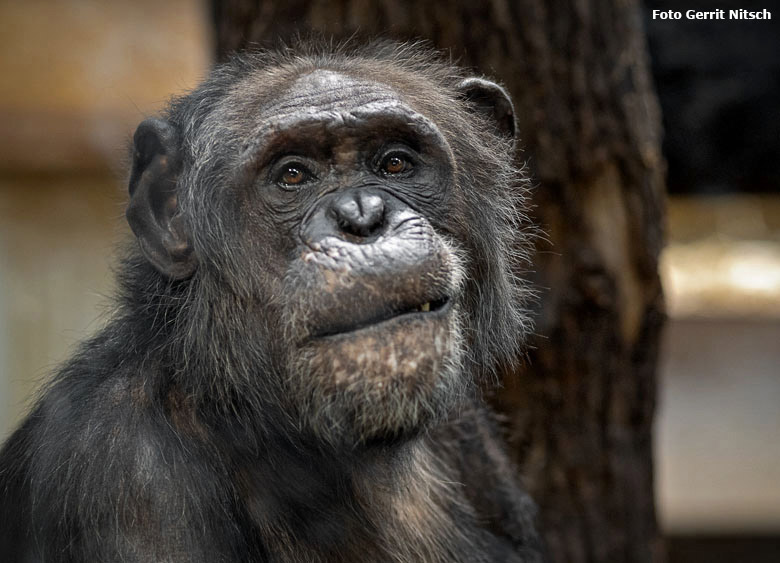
(723, 549)
(718, 83)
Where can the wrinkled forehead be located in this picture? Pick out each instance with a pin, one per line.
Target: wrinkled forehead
(324, 100)
(319, 94)
(324, 92)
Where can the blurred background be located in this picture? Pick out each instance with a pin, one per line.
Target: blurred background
(718, 424)
(79, 75)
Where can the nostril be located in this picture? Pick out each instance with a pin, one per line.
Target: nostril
(347, 212)
(359, 214)
(373, 208)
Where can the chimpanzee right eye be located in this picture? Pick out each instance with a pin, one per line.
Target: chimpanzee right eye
(293, 174)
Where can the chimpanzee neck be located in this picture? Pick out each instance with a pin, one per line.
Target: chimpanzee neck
(362, 505)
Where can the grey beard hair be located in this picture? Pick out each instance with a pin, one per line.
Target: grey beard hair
(360, 411)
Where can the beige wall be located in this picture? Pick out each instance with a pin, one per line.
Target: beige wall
(78, 76)
(56, 239)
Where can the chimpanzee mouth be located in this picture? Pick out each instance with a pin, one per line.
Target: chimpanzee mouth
(433, 309)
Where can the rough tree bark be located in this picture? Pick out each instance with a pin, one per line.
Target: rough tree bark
(579, 415)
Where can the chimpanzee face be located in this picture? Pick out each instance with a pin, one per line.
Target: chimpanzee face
(340, 220)
(344, 182)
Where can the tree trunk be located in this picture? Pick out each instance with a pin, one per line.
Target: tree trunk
(579, 415)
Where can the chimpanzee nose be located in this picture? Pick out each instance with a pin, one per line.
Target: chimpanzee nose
(359, 213)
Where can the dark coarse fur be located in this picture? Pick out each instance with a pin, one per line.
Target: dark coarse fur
(173, 435)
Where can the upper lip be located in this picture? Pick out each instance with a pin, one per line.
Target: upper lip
(346, 286)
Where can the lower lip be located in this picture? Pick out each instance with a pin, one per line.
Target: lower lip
(410, 316)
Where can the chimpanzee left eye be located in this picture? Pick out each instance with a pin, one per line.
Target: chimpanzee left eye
(395, 163)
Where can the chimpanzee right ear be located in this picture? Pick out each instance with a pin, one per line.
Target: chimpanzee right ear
(153, 209)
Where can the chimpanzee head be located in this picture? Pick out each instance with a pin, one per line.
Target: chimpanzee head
(335, 234)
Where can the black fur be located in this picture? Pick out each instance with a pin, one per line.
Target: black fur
(208, 421)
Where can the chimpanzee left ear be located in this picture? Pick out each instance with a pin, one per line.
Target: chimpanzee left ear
(153, 209)
(492, 101)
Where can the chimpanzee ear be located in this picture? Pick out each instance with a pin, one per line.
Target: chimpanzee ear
(492, 101)
(153, 208)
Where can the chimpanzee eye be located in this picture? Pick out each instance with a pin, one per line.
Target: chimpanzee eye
(293, 174)
(395, 164)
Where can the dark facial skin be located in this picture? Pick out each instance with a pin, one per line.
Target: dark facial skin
(345, 193)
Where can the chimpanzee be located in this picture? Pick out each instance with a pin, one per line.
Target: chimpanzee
(325, 274)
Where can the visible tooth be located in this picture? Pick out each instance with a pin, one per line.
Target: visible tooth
(425, 306)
